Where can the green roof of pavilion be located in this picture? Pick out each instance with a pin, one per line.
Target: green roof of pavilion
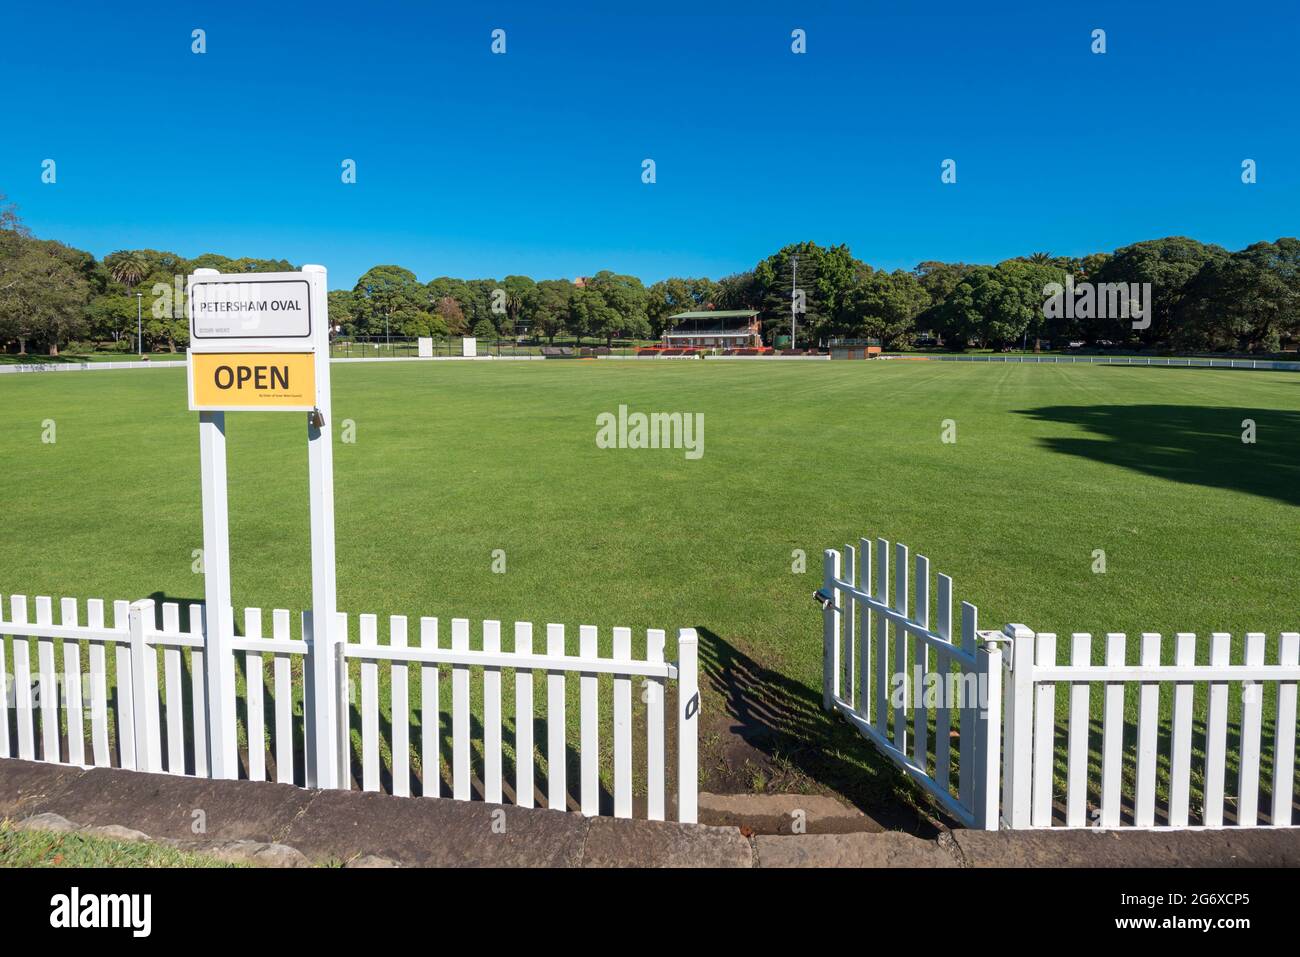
(716, 314)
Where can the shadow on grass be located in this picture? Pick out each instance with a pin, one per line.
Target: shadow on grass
(1197, 445)
(774, 726)
(1230, 787)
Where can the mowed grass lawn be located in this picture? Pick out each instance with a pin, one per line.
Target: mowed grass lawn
(452, 461)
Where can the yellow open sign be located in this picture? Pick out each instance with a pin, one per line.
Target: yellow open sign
(283, 381)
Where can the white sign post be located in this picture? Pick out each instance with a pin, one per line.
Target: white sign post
(260, 342)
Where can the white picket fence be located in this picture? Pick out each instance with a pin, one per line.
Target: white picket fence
(1172, 784)
(142, 706)
(1031, 748)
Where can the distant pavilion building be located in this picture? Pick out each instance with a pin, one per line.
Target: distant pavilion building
(720, 329)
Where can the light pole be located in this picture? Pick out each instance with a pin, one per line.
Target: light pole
(139, 323)
(794, 296)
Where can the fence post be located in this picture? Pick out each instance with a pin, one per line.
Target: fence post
(218, 615)
(144, 683)
(688, 725)
(988, 737)
(830, 630)
(1017, 761)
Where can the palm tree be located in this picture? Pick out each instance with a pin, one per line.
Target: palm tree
(128, 268)
(1041, 259)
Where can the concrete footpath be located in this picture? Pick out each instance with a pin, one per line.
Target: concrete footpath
(283, 825)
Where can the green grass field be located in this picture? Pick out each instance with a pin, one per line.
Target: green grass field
(454, 460)
(37, 848)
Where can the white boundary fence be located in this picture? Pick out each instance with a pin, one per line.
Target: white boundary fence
(1276, 365)
(1031, 749)
(1176, 362)
(137, 700)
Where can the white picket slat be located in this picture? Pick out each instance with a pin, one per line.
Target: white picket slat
(47, 681)
(556, 783)
(24, 716)
(74, 714)
(1216, 734)
(125, 717)
(864, 631)
(524, 763)
(654, 716)
(430, 715)
(966, 772)
(1112, 735)
(1252, 711)
(1044, 733)
(98, 687)
(589, 725)
(460, 745)
(1285, 734)
(849, 607)
(492, 717)
(881, 594)
(688, 760)
(920, 665)
(943, 664)
(1018, 751)
(144, 683)
(283, 676)
(401, 721)
(1076, 787)
(254, 673)
(1180, 757)
(175, 698)
(831, 629)
(622, 727)
(369, 635)
(1144, 811)
(900, 647)
(198, 694)
(5, 682)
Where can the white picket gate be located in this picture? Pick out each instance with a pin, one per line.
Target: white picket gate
(165, 725)
(875, 630)
(996, 694)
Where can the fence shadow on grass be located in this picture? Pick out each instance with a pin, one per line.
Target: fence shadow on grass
(769, 717)
(1198, 445)
(444, 736)
(1164, 749)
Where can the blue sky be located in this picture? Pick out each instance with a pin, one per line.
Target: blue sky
(479, 165)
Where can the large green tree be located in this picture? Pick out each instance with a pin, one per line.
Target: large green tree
(517, 290)
(1167, 264)
(380, 294)
(43, 295)
(886, 306)
(825, 276)
(1248, 301)
(996, 306)
(546, 307)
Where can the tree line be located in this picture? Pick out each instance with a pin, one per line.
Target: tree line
(1202, 298)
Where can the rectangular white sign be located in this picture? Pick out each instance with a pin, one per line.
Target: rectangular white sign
(226, 307)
